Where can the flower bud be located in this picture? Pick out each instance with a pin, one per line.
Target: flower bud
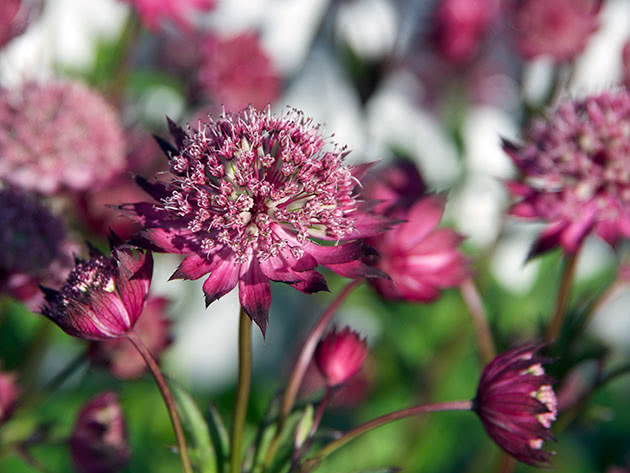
(340, 355)
(9, 393)
(98, 443)
(517, 405)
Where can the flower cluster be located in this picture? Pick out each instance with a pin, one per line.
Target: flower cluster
(249, 198)
(575, 171)
(58, 136)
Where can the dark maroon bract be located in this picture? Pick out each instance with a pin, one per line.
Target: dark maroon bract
(516, 403)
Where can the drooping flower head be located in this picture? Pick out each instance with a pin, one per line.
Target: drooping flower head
(154, 12)
(516, 403)
(103, 296)
(575, 173)
(340, 355)
(58, 136)
(249, 198)
(99, 442)
(120, 356)
(559, 29)
(236, 72)
(9, 393)
(420, 258)
(33, 246)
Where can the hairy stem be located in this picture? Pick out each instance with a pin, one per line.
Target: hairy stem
(242, 393)
(471, 297)
(168, 399)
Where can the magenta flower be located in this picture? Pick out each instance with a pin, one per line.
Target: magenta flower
(121, 357)
(154, 12)
(99, 443)
(9, 393)
(340, 355)
(420, 258)
(559, 29)
(236, 72)
(516, 403)
(249, 198)
(574, 172)
(103, 297)
(58, 136)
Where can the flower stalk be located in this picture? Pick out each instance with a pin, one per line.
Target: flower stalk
(168, 399)
(562, 300)
(473, 301)
(242, 393)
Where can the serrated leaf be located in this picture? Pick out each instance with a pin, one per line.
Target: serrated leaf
(304, 426)
(201, 448)
(219, 435)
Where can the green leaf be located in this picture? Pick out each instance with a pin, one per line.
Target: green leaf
(201, 448)
(219, 435)
(304, 426)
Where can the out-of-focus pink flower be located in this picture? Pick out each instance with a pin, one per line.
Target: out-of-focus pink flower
(460, 26)
(154, 12)
(246, 199)
(236, 72)
(9, 393)
(99, 443)
(420, 258)
(340, 355)
(517, 405)
(15, 16)
(103, 297)
(58, 136)
(625, 62)
(559, 28)
(575, 172)
(34, 247)
(121, 357)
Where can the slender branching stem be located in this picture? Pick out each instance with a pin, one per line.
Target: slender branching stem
(473, 300)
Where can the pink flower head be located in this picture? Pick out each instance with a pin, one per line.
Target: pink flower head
(15, 16)
(516, 403)
(58, 136)
(120, 356)
(460, 26)
(340, 355)
(154, 12)
(420, 258)
(625, 58)
(575, 171)
(247, 196)
(236, 72)
(9, 393)
(99, 443)
(103, 297)
(558, 28)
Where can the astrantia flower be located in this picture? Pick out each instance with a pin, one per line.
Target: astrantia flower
(516, 403)
(58, 136)
(558, 28)
(236, 72)
(249, 198)
(340, 355)
(103, 296)
(575, 172)
(419, 257)
(33, 246)
(99, 441)
(153, 12)
(9, 393)
(121, 357)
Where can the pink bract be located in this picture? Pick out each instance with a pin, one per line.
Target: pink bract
(58, 136)
(517, 405)
(340, 355)
(181, 12)
(575, 174)
(9, 392)
(253, 197)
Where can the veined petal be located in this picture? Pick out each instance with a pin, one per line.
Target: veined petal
(222, 279)
(255, 294)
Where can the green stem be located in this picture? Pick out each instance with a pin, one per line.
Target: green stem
(129, 36)
(168, 399)
(562, 301)
(312, 463)
(471, 297)
(301, 365)
(242, 393)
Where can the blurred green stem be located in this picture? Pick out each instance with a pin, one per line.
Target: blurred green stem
(129, 36)
(562, 300)
(312, 463)
(299, 370)
(473, 301)
(242, 393)
(168, 399)
(317, 418)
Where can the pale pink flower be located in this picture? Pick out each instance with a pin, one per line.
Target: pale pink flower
(575, 171)
(58, 136)
(340, 355)
(247, 199)
(154, 12)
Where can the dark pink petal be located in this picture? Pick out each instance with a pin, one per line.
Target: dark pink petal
(134, 281)
(255, 294)
(193, 267)
(312, 282)
(550, 238)
(422, 219)
(357, 269)
(222, 279)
